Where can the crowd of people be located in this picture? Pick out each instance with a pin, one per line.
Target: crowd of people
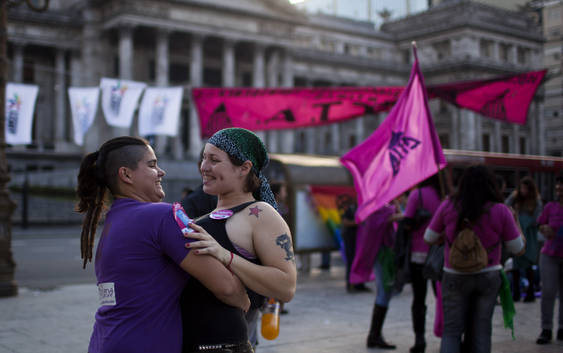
(200, 287)
(516, 235)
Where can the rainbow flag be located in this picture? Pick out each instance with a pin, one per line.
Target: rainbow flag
(329, 201)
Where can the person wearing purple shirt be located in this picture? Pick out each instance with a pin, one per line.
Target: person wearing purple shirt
(468, 299)
(551, 263)
(141, 264)
(427, 196)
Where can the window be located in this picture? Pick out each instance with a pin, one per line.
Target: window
(352, 141)
(503, 51)
(523, 147)
(486, 142)
(505, 144)
(522, 55)
(212, 77)
(486, 48)
(443, 49)
(178, 73)
(444, 140)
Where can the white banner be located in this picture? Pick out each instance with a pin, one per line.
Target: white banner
(119, 100)
(83, 107)
(20, 105)
(160, 111)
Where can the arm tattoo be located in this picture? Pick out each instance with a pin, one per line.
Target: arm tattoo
(285, 243)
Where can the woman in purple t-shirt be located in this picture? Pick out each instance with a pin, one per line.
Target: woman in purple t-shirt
(468, 298)
(427, 197)
(551, 263)
(141, 253)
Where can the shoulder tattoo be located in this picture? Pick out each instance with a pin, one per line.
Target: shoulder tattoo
(285, 243)
(254, 211)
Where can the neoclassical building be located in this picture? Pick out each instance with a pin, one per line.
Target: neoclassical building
(263, 43)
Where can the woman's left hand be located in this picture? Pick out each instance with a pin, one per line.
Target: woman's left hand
(206, 244)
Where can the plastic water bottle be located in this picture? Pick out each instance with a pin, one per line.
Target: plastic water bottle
(271, 319)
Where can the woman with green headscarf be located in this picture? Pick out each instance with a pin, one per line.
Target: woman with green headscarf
(250, 237)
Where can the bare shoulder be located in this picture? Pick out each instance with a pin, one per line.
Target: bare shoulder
(261, 211)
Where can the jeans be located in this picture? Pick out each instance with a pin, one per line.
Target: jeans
(551, 269)
(468, 302)
(382, 297)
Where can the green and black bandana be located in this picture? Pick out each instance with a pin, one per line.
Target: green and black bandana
(246, 146)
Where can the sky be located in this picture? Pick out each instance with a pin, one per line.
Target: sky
(357, 9)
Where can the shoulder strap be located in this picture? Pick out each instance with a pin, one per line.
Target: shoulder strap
(242, 206)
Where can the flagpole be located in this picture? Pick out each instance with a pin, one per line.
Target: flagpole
(440, 173)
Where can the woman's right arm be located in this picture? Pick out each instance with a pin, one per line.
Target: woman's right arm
(217, 278)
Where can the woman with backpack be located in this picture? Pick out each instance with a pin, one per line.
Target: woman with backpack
(473, 222)
(527, 204)
(551, 263)
(421, 205)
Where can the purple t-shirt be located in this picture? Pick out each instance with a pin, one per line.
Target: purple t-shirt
(552, 215)
(430, 202)
(492, 227)
(139, 280)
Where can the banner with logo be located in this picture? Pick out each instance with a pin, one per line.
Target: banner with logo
(403, 151)
(160, 111)
(20, 106)
(506, 98)
(83, 107)
(119, 100)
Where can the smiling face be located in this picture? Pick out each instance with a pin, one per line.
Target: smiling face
(147, 178)
(219, 174)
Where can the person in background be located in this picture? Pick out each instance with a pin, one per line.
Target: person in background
(426, 197)
(551, 263)
(468, 298)
(381, 222)
(527, 204)
(250, 238)
(141, 261)
(349, 230)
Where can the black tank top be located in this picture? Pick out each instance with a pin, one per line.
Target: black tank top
(206, 319)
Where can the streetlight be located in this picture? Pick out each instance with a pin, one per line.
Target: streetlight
(8, 286)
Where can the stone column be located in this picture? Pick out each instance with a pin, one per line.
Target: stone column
(126, 52)
(531, 122)
(228, 63)
(272, 78)
(497, 137)
(512, 56)
(17, 63)
(196, 80)
(454, 132)
(515, 148)
(478, 132)
(259, 81)
(542, 136)
(60, 100)
(161, 70)
(359, 129)
(467, 123)
(287, 136)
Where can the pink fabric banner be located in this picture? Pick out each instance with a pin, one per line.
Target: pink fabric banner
(403, 151)
(287, 108)
(507, 98)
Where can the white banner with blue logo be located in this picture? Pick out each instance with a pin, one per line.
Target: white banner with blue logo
(20, 106)
(83, 107)
(119, 100)
(160, 111)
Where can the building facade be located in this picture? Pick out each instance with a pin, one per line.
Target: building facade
(552, 21)
(265, 43)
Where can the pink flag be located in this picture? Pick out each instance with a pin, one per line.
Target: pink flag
(506, 98)
(403, 151)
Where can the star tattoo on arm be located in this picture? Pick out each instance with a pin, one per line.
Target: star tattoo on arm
(285, 243)
(254, 211)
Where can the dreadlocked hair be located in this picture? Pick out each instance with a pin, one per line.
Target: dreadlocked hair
(97, 174)
(477, 187)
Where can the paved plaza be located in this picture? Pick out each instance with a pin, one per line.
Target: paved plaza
(322, 318)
